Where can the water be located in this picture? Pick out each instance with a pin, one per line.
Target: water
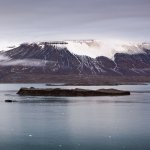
(75, 123)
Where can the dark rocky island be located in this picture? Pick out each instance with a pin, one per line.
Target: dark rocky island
(70, 92)
(10, 101)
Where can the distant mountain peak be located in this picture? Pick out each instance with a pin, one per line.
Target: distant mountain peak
(94, 48)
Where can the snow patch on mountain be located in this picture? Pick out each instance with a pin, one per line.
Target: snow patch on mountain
(94, 48)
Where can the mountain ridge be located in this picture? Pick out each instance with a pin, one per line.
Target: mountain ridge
(53, 59)
(94, 48)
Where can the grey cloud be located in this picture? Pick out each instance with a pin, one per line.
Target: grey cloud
(24, 62)
(48, 19)
(4, 58)
(7, 61)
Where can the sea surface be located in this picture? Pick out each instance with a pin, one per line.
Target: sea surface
(75, 123)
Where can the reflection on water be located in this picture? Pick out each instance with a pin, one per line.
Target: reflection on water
(74, 123)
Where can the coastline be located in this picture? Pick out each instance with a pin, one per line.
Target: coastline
(74, 80)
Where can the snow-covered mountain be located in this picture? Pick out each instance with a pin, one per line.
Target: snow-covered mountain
(96, 48)
(88, 57)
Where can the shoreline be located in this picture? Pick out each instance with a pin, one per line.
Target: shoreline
(71, 84)
(74, 80)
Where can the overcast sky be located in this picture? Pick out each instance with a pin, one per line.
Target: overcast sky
(40, 20)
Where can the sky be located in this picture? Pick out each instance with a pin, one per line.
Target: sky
(46, 20)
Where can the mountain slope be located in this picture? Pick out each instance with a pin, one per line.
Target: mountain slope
(61, 58)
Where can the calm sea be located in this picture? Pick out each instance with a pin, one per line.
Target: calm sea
(75, 123)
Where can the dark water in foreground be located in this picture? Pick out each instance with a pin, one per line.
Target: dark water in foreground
(82, 123)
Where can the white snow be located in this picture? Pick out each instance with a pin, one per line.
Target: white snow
(146, 45)
(5, 45)
(95, 48)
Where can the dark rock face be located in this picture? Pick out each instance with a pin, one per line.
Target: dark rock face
(34, 59)
(70, 92)
(137, 64)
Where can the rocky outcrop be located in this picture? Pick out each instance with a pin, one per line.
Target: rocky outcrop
(70, 92)
(10, 101)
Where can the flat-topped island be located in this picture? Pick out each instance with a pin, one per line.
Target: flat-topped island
(70, 92)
